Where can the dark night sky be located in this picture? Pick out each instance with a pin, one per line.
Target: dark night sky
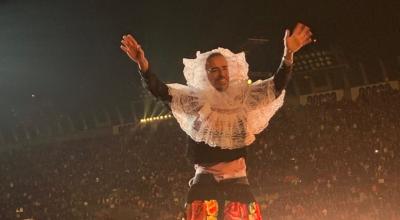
(68, 51)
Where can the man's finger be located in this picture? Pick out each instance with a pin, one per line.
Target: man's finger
(305, 31)
(127, 46)
(134, 45)
(128, 50)
(299, 27)
(132, 39)
(124, 39)
(130, 43)
(124, 48)
(287, 34)
(124, 43)
(309, 40)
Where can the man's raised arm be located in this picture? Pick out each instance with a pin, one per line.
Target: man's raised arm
(150, 80)
(293, 42)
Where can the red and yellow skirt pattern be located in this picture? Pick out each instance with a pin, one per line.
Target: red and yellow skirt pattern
(208, 210)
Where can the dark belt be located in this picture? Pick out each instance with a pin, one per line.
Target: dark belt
(208, 179)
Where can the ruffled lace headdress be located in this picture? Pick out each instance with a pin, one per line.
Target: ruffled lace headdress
(227, 119)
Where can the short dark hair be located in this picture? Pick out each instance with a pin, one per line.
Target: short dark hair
(216, 54)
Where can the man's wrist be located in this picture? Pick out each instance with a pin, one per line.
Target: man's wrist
(143, 66)
(288, 59)
(288, 56)
(288, 52)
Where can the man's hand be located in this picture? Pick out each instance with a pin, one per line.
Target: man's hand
(301, 36)
(134, 52)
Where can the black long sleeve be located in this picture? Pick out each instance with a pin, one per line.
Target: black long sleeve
(155, 86)
(282, 77)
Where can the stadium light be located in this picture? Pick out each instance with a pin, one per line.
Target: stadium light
(157, 118)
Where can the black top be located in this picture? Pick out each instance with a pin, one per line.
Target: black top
(200, 152)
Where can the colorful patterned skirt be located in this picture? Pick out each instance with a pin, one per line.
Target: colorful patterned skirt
(225, 200)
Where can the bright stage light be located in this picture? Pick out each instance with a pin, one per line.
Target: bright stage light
(157, 118)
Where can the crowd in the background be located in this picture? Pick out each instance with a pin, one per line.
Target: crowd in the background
(337, 160)
(321, 98)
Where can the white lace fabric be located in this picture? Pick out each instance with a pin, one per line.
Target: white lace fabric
(228, 119)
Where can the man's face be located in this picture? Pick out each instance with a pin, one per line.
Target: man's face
(217, 72)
